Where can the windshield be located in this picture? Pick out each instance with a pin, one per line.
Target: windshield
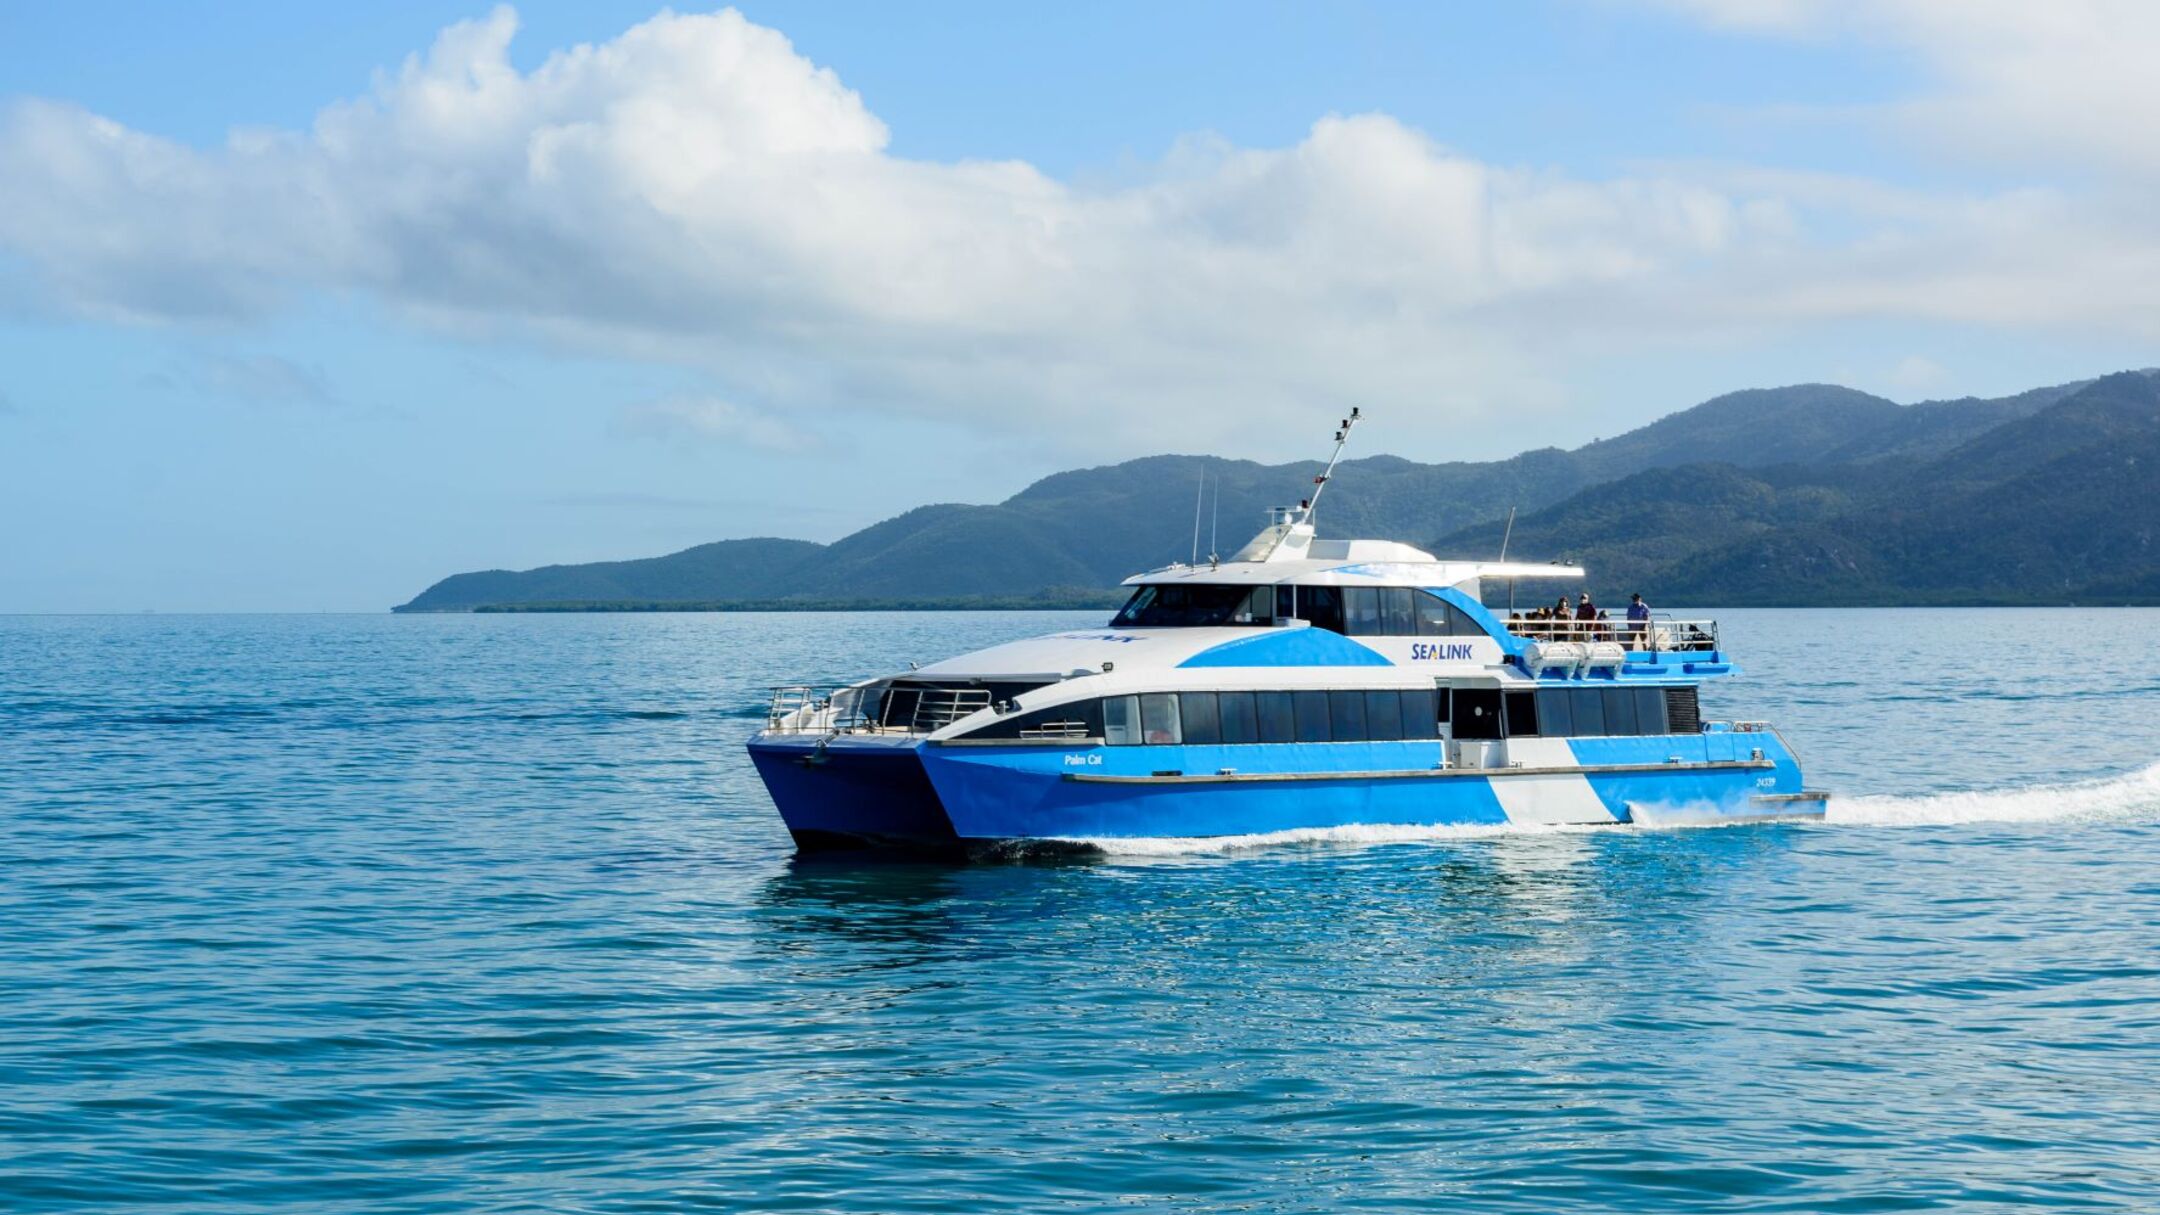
(1187, 606)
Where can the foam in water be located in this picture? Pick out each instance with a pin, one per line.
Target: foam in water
(1361, 835)
(2122, 796)
(2112, 797)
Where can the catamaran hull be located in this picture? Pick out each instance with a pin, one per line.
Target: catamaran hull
(850, 792)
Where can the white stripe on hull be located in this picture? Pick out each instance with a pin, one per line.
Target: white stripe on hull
(1548, 799)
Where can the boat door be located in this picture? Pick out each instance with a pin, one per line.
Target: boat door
(1475, 725)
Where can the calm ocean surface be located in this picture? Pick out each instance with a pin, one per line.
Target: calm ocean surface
(489, 913)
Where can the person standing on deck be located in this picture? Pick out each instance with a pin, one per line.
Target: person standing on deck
(1638, 619)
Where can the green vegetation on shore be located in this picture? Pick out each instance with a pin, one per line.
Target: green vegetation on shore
(1812, 495)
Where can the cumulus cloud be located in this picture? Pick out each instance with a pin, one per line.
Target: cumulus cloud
(2060, 83)
(696, 190)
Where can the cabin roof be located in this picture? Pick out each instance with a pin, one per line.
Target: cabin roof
(1422, 570)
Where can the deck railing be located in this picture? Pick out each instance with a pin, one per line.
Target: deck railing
(1659, 634)
(803, 709)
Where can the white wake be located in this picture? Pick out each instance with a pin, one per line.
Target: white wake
(2113, 797)
(2116, 797)
(1358, 836)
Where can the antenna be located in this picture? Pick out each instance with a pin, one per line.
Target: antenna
(1504, 537)
(1342, 436)
(1214, 527)
(1198, 491)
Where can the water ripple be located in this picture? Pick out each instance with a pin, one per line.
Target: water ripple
(488, 914)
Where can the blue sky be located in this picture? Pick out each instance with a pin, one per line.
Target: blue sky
(303, 309)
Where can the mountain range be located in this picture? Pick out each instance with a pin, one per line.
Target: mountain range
(1804, 495)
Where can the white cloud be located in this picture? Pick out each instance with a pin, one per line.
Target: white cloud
(714, 420)
(2049, 83)
(697, 191)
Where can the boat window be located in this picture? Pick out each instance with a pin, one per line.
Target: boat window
(1340, 715)
(1620, 711)
(1322, 605)
(1185, 605)
(1159, 719)
(1361, 611)
(1522, 718)
(1399, 609)
(1554, 718)
(1121, 720)
(1312, 716)
(1286, 603)
(1197, 710)
(1649, 710)
(1239, 725)
(1078, 719)
(1383, 715)
(1588, 705)
(1476, 712)
(1346, 716)
(1683, 714)
(1420, 713)
(1436, 617)
(898, 706)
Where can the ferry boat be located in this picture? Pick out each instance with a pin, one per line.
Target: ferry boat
(1300, 684)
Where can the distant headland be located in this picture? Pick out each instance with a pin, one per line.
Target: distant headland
(1811, 495)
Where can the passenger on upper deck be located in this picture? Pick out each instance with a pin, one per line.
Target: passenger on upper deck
(1638, 618)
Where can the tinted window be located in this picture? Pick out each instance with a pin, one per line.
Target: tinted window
(1277, 722)
(1239, 725)
(1620, 711)
(1650, 710)
(899, 706)
(1383, 716)
(1477, 712)
(1522, 713)
(1589, 708)
(1197, 709)
(1322, 605)
(1080, 719)
(1121, 720)
(1554, 719)
(1682, 714)
(1187, 606)
(1398, 615)
(1432, 615)
(1361, 610)
(1436, 617)
(1159, 719)
(1420, 714)
(1312, 716)
(1346, 715)
(1285, 602)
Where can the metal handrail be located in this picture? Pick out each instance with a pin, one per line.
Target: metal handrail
(936, 708)
(1660, 633)
(804, 709)
(1055, 730)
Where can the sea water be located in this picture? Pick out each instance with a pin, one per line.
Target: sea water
(489, 913)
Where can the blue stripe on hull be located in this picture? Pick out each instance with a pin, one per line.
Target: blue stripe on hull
(893, 791)
(1022, 793)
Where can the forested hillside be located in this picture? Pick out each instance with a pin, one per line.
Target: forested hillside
(1810, 494)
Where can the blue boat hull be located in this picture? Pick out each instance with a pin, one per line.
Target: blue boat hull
(850, 791)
